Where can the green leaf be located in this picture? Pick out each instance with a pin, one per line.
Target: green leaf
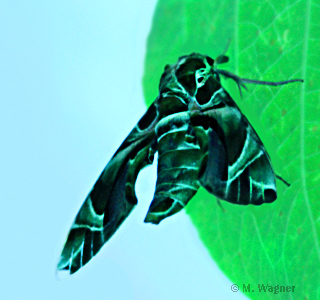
(278, 243)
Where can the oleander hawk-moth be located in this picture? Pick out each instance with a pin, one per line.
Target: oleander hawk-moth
(202, 139)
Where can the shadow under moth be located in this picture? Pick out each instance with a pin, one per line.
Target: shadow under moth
(202, 139)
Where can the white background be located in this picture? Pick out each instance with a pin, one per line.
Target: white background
(70, 92)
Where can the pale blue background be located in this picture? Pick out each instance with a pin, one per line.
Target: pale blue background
(70, 92)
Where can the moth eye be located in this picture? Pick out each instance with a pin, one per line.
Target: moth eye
(166, 67)
(200, 79)
(210, 60)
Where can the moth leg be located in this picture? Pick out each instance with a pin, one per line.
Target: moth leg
(152, 151)
(241, 81)
(285, 182)
(191, 135)
(220, 205)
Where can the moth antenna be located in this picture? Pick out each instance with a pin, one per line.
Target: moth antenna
(234, 77)
(222, 58)
(220, 205)
(285, 182)
(227, 47)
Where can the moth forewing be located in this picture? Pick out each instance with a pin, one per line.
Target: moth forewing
(112, 198)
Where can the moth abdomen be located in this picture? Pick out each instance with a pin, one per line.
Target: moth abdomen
(179, 160)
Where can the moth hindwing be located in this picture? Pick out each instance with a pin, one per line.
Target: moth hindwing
(202, 139)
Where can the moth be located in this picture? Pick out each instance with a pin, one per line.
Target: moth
(202, 139)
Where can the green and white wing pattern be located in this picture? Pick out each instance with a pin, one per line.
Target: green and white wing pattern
(111, 199)
(202, 139)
